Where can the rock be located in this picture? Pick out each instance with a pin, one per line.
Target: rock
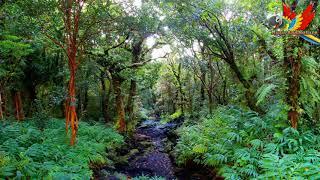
(112, 178)
(156, 162)
(172, 136)
(133, 152)
(104, 172)
(141, 137)
(149, 152)
(146, 143)
(122, 160)
(168, 146)
(148, 123)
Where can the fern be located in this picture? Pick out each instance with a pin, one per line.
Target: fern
(29, 152)
(200, 149)
(234, 137)
(256, 143)
(263, 91)
(216, 159)
(244, 145)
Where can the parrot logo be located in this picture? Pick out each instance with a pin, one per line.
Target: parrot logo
(290, 21)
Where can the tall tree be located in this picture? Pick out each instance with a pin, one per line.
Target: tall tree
(71, 10)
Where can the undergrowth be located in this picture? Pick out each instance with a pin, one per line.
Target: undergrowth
(243, 145)
(27, 152)
(168, 118)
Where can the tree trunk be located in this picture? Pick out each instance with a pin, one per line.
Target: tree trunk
(107, 106)
(85, 100)
(211, 86)
(224, 88)
(131, 98)
(180, 94)
(227, 54)
(103, 95)
(210, 102)
(1, 111)
(293, 67)
(121, 122)
(202, 78)
(72, 50)
(136, 53)
(4, 105)
(71, 111)
(249, 94)
(71, 18)
(224, 98)
(105, 99)
(182, 98)
(171, 103)
(18, 106)
(202, 94)
(32, 97)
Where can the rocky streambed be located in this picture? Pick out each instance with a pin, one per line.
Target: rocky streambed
(147, 154)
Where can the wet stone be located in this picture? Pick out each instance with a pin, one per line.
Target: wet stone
(148, 152)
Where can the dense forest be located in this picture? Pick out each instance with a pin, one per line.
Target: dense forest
(159, 89)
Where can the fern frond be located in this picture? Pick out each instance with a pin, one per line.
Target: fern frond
(263, 91)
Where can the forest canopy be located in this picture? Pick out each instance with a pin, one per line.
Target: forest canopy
(159, 89)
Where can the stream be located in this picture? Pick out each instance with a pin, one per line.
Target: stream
(148, 154)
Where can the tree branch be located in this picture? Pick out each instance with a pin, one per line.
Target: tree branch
(263, 43)
(117, 45)
(139, 64)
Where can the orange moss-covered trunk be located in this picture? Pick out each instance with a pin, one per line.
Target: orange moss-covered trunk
(71, 10)
(71, 114)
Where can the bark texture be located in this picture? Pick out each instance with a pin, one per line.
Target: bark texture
(121, 122)
(18, 106)
(292, 65)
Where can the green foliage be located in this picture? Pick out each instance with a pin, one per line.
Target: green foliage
(220, 52)
(174, 116)
(13, 51)
(143, 113)
(41, 114)
(310, 94)
(243, 144)
(264, 91)
(26, 151)
(13, 46)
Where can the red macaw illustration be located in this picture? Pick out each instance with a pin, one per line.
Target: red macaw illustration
(290, 21)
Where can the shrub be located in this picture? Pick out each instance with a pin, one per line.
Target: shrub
(25, 151)
(168, 118)
(243, 145)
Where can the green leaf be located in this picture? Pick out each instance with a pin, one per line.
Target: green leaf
(263, 92)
